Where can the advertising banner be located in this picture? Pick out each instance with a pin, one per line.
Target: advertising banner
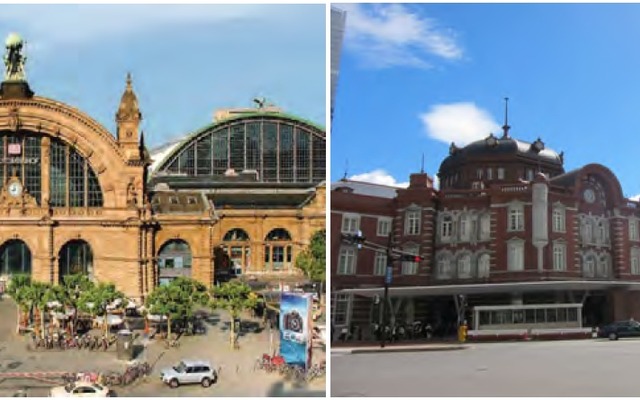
(295, 328)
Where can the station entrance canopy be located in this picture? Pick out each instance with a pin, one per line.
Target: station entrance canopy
(493, 288)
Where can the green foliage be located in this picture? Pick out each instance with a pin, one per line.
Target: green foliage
(19, 292)
(312, 260)
(96, 299)
(177, 299)
(234, 296)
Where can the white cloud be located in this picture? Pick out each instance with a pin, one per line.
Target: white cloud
(73, 24)
(635, 198)
(380, 177)
(387, 35)
(461, 123)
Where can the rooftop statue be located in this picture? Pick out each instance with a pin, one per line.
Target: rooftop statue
(14, 59)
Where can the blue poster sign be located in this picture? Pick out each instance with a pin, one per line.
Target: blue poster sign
(389, 275)
(295, 328)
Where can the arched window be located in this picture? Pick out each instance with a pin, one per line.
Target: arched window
(444, 270)
(278, 250)
(237, 248)
(75, 257)
(174, 259)
(273, 149)
(589, 268)
(15, 258)
(464, 266)
(484, 266)
(604, 266)
(72, 181)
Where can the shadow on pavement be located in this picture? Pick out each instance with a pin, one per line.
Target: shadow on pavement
(278, 389)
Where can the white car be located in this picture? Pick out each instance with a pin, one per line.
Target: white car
(80, 389)
(190, 371)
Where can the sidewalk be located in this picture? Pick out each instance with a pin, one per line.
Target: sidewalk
(396, 348)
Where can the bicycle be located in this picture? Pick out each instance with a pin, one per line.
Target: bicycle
(171, 343)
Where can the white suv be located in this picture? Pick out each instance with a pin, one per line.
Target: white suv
(188, 371)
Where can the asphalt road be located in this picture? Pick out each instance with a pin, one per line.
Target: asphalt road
(563, 368)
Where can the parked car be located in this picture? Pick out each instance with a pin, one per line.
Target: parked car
(189, 371)
(80, 389)
(620, 329)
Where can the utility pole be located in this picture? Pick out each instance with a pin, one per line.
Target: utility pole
(392, 255)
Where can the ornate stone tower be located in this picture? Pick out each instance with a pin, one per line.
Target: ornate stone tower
(128, 119)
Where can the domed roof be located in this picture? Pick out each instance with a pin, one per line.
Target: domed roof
(504, 148)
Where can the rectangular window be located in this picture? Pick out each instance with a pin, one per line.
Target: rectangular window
(635, 263)
(516, 219)
(412, 223)
(380, 264)
(446, 230)
(516, 256)
(340, 310)
(559, 258)
(558, 220)
(529, 174)
(384, 226)
(633, 229)
(489, 173)
(410, 267)
(350, 223)
(501, 173)
(347, 261)
(479, 173)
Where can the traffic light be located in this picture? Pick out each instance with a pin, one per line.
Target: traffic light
(410, 258)
(356, 239)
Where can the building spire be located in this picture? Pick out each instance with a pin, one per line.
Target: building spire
(422, 165)
(506, 127)
(346, 169)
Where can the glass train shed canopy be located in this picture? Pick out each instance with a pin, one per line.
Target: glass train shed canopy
(257, 146)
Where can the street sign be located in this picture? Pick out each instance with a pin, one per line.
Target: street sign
(389, 275)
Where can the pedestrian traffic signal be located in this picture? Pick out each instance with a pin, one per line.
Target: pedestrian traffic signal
(357, 238)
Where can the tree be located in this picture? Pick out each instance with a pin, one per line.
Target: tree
(312, 260)
(97, 299)
(18, 291)
(235, 297)
(39, 294)
(70, 291)
(177, 300)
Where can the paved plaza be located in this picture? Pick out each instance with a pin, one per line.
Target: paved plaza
(237, 376)
(560, 368)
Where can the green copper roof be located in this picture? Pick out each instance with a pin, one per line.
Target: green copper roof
(239, 117)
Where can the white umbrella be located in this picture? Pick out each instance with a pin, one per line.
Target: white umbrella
(156, 318)
(112, 320)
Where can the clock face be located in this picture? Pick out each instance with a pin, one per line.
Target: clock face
(15, 189)
(589, 196)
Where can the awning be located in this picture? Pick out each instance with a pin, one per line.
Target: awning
(112, 320)
(490, 288)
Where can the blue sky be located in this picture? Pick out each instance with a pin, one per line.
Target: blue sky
(415, 77)
(186, 61)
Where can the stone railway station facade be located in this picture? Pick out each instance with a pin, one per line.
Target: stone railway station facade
(246, 192)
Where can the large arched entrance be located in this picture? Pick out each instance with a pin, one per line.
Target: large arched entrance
(277, 250)
(236, 245)
(75, 257)
(174, 260)
(15, 258)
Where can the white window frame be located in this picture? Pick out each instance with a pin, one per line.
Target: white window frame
(589, 265)
(443, 266)
(479, 173)
(635, 261)
(379, 264)
(604, 266)
(500, 173)
(484, 265)
(347, 260)
(559, 220)
(485, 226)
(490, 173)
(410, 267)
(515, 218)
(465, 227)
(515, 255)
(412, 222)
(530, 174)
(350, 223)
(446, 227)
(464, 266)
(559, 256)
(343, 299)
(633, 230)
(384, 226)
